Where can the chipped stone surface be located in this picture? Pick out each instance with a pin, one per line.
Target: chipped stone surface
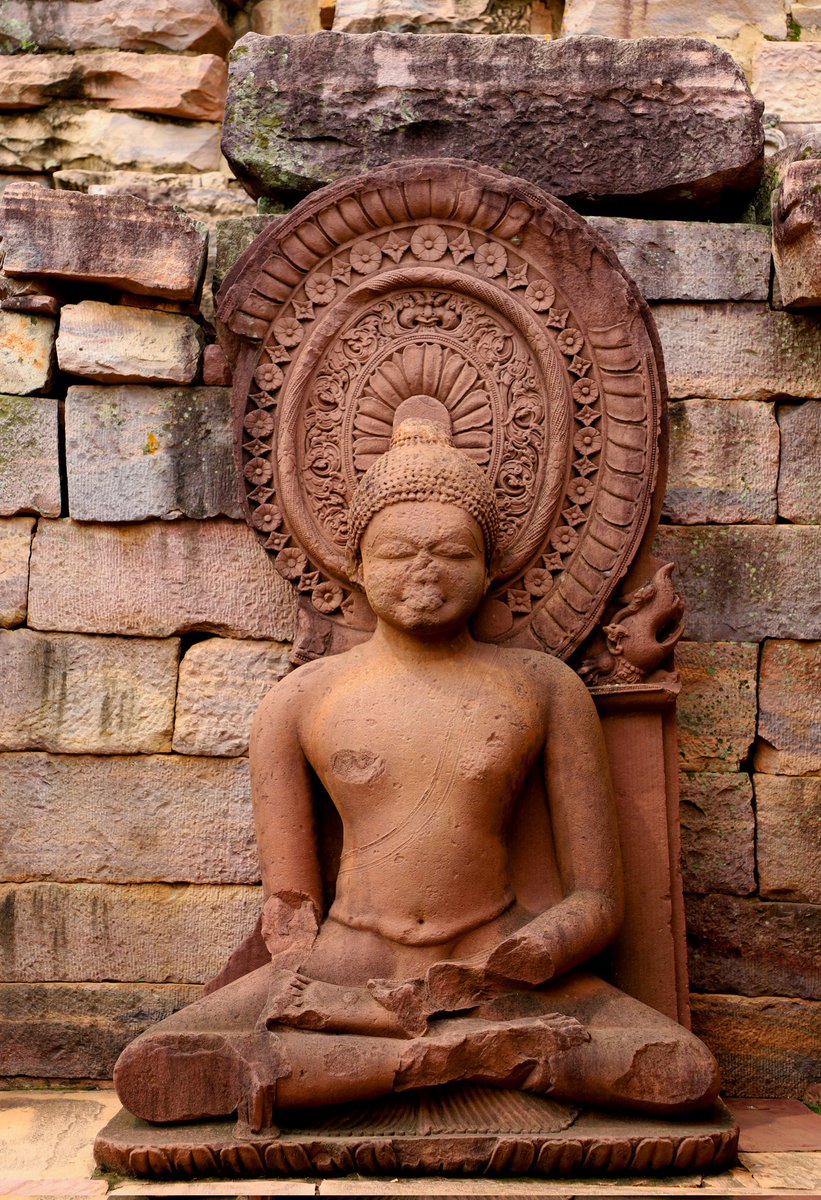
(796, 215)
(29, 461)
(738, 352)
(87, 694)
(717, 833)
(747, 582)
(120, 241)
(15, 549)
(139, 452)
(216, 370)
(717, 707)
(788, 812)
(799, 490)
(789, 700)
(26, 353)
(671, 18)
(419, 16)
(133, 819)
(299, 16)
(787, 77)
(285, 130)
(115, 344)
(47, 1141)
(233, 237)
(157, 933)
(156, 579)
(723, 462)
(222, 682)
(138, 25)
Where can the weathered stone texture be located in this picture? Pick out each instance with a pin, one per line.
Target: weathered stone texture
(216, 370)
(747, 582)
(788, 812)
(787, 78)
(723, 462)
(717, 706)
(299, 16)
(119, 241)
(29, 461)
(717, 833)
(765, 1047)
(156, 818)
(754, 947)
(233, 237)
(26, 353)
(15, 550)
(691, 260)
(286, 130)
(138, 25)
(417, 16)
(105, 932)
(222, 682)
(789, 700)
(139, 452)
(796, 215)
(738, 352)
(808, 18)
(87, 694)
(116, 344)
(799, 487)
(157, 579)
(671, 18)
(77, 1030)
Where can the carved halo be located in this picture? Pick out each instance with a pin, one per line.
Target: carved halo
(448, 280)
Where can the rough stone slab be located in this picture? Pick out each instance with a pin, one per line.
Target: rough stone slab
(717, 707)
(136, 819)
(107, 932)
(216, 370)
(776, 1126)
(47, 1141)
(15, 550)
(518, 102)
(233, 237)
(120, 241)
(29, 461)
(171, 85)
(222, 683)
(63, 136)
(110, 24)
(139, 452)
(209, 196)
(754, 947)
(87, 694)
(671, 18)
(788, 813)
(799, 490)
(796, 214)
(717, 833)
(789, 701)
(157, 579)
(417, 16)
(747, 582)
(765, 1047)
(300, 16)
(808, 18)
(77, 1030)
(115, 344)
(691, 260)
(738, 352)
(787, 78)
(26, 353)
(723, 462)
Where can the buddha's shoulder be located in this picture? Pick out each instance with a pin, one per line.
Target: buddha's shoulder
(299, 687)
(545, 672)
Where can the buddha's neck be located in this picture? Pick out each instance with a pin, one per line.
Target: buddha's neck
(412, 649)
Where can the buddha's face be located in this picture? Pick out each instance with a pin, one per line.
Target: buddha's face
(423, 566)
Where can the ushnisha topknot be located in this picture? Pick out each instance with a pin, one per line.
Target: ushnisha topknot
(423, 464)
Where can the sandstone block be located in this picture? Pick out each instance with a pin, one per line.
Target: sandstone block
(738, 352)
(103, 24)
(691, 260)
(233, 237)
(747, 582)
(135, 819)
(788, 813)
(765, 1047)
(787, 78)
(119, 241)
(87, 694)
(156, 579)
(216, 370)
(697, 131)
(209, 197)
(273, 17)
(106, 932)
(115, 344)
(222, 682)
(789, 701)
(416, 16)
(754, 947)
(78, 1030)
(799, 494)
(139, 452)
(26, 353)
(670, 18)
(796, 215)
(717, 707)
(808, 18)
(717, 833)
(723, 462)
(29, 462)
(15, 551)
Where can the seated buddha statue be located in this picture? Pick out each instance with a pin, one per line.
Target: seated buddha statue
(419, 965)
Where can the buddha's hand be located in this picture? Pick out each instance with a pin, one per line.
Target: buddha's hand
(523, 958)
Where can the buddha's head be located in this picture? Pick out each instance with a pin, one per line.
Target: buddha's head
(423, 526)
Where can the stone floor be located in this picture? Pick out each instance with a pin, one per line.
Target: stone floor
(46, 1140)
